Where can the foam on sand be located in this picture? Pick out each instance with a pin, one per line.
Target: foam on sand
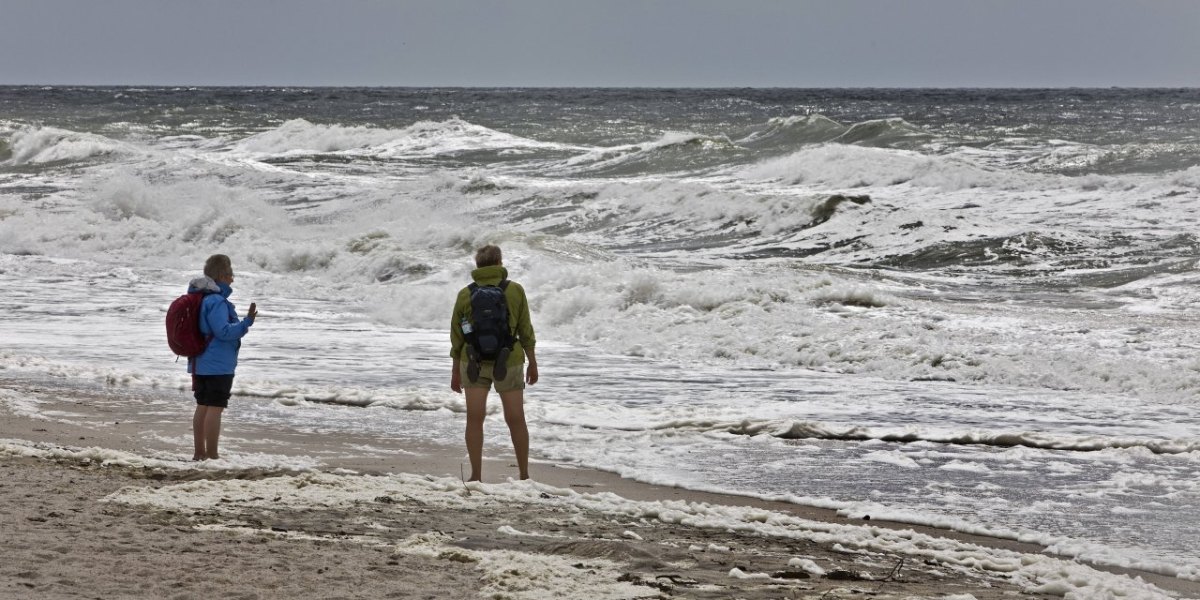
(108, 457)
(1033, 572)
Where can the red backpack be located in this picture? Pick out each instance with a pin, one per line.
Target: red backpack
(183, 326)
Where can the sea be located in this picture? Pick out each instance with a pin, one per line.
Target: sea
(968, 308)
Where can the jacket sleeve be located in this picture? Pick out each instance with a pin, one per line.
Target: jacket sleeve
(457, 340)
(524, 324)
(220, 327)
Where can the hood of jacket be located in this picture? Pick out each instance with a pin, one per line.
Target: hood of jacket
(209, 286)
(492, 275)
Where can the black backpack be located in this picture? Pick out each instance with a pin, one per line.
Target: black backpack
(489, 320)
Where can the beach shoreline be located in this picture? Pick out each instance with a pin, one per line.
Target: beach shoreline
(67, 477)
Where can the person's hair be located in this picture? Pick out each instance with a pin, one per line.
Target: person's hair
(487, 256)
(218, 266)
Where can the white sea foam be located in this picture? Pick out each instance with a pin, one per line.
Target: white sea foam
(807, 565)
(893, 458)
(118, 458)
(1031, 571)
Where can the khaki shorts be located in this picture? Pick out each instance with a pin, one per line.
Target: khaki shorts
(515, 380)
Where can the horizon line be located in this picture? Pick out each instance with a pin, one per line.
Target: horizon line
(593, 87)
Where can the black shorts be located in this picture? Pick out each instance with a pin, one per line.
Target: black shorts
(212, 390)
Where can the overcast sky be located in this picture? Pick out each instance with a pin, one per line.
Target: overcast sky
(759, 43)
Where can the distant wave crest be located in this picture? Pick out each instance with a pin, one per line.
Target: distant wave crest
(39, 145)
(673, 151)
(884, 132)
(793, 132)
(424, 138)
(849, 166)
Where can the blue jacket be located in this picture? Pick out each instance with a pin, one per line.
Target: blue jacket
(218, 318)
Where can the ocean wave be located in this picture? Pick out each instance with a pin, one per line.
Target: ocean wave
(121, 214)
(421, 139)
(843, 166)
(672, 152)
(1145, 158)
(1188, 178)
(163, 215)
(790, 133)
(667, 216)
(794, 132)
(301, 136)
(457, 136)
(686, 151)
(40, 145)
(1023, 250)
(886, 133)
(189, 210)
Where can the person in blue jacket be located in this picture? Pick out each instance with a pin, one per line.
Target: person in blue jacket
(212, 371)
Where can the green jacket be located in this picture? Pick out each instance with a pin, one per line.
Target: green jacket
(518, 315)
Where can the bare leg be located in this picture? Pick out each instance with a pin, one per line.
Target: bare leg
(476, 411)
(198, 432)
(514, 415)
(212, 431)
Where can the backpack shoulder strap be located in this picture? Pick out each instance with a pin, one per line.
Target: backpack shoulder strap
(471, 288)
(201, 312)
(204, 310)
(503, 284)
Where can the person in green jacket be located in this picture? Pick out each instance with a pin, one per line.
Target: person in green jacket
(511, 381)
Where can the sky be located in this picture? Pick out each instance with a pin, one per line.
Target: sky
(603, 43)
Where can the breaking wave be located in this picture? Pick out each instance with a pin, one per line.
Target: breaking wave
(841, 166)
(41, 145)
(421, 139)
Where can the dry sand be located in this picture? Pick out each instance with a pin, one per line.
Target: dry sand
(70, 530)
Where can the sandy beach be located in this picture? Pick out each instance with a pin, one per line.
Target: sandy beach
(102, 505)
